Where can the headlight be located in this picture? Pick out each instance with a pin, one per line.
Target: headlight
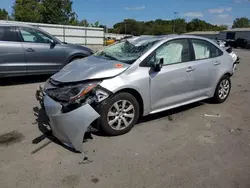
(72, 93)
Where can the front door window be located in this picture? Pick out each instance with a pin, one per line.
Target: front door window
(173, 52)
(35, 36)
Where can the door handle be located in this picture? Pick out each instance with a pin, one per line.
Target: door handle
(30, 50)
(216, 63)
(190, 69)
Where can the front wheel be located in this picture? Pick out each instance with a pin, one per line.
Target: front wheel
(119, 114)
(222, 90)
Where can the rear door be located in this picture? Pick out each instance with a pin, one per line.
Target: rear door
(206, 66)
(12, 58)
(43, 54)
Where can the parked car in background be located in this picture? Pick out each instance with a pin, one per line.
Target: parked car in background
(242, 43)
(27, 50)
(230, 43)
(238, 43)
(132, 78)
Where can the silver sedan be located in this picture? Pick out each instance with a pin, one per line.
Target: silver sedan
(133, 78)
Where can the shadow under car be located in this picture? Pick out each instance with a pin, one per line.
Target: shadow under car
(42, 121)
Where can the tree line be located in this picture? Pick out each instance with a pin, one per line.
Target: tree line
(160, 27)
(61, 12)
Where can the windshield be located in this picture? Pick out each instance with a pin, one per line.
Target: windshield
(125, 51)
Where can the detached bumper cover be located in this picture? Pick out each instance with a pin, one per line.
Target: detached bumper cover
(69, 127)
(39, 96)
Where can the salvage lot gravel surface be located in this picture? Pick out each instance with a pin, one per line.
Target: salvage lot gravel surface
(186, 149)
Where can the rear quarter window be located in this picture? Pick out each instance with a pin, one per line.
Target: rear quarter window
(204, 49)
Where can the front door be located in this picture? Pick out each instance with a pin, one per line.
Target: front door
(43, 54)
(172, 85)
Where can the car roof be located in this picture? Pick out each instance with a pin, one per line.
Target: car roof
(142, 38)
(6, 23)
(153, 38)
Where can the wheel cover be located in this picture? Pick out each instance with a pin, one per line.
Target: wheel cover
(224, 89)
(121, 114)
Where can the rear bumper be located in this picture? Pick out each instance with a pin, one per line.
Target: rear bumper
(68, 127)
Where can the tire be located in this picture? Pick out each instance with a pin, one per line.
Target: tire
(109, 114)
(218, 96)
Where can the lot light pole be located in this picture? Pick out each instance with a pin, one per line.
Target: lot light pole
(175, 16)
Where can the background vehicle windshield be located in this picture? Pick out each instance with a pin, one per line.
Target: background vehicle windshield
(125, 51)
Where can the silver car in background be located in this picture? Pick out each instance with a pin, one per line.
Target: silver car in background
(27, 50)
(132, 78)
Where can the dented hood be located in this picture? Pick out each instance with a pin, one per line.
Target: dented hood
(88, 68)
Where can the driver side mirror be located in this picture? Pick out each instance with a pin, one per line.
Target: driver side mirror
(158, 65)
(52, 44)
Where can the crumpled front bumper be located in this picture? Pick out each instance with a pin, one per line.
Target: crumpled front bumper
(69, 127)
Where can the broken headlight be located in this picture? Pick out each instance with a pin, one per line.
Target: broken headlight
(72, 93)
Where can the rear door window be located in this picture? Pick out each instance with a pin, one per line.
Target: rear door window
(8, 34)
(204, 49)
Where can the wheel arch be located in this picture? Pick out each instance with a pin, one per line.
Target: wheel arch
(137, 95)
(225, 74)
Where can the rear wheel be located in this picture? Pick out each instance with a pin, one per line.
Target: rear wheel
(119, 114)
(222, 90)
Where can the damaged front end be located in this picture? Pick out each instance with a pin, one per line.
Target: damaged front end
(71, 108)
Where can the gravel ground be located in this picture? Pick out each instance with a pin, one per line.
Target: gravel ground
(188, 150)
